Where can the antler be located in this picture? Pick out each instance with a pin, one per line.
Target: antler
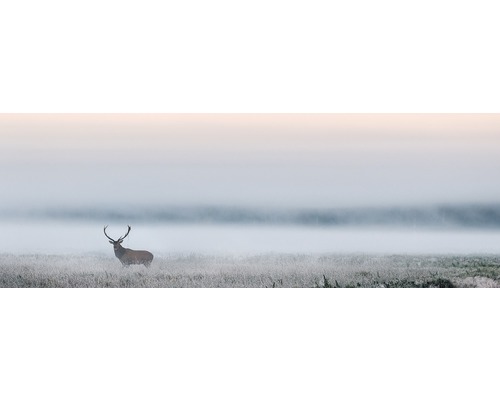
(107, 234)
(129, 228)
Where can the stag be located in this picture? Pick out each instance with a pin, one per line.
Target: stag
(129, 256)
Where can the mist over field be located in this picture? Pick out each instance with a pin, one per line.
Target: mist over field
(462, 230)
(236, 187)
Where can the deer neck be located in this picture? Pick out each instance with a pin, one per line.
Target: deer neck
(120, 251)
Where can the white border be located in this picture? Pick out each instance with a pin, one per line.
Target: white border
(263, 56)
(287, 343)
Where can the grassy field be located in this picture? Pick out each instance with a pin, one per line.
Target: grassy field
(263, 271)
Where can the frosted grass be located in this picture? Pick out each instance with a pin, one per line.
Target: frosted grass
(251, 271)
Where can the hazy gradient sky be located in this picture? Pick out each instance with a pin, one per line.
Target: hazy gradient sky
(277, 160)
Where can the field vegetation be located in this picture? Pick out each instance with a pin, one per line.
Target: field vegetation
(252, 271)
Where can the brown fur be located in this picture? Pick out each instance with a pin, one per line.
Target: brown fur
(129, 256)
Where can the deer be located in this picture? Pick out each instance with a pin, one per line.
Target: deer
(129, 256)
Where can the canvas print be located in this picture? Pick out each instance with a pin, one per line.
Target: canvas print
(249, 200)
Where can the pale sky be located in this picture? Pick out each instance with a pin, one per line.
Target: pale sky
(276, 160)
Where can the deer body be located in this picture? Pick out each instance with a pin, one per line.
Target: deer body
(129, 256)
